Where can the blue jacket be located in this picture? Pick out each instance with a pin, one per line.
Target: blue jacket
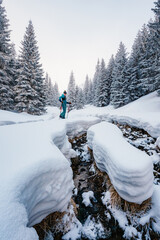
(63, 99)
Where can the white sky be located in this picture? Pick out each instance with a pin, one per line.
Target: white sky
(73, 34)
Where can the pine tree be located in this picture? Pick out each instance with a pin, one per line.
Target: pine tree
(154, 49)
(103, 96)
(77, 100)
(119, 74)
(46, 89)
(50, 92)
(144, 72)
(90, 93)
(109, 72)
(56, 102)
(138, 70)
(96, 84)
(80, 99)
(30, 84)
(72, 91)
(6, 78)
(86, 90)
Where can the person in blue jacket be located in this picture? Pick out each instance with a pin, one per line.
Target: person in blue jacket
(64, 102)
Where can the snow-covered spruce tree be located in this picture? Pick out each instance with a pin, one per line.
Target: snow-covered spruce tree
(56, 95)
(6, 78)
(80, 99)
(13, 71)
(136, 67)
(144, 72)
(119, 74)
(154, 44)
(77, 100)
(46, 89)
(86, 90)
(72, 91)
(96, 84)
(30, 95)
(50, 92)
(109, 71)
(90, 92)
(103, 96)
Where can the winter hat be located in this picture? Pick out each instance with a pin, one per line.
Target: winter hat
(64, 92)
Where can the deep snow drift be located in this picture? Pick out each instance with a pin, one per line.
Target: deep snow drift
(130, 170)
(35, 177)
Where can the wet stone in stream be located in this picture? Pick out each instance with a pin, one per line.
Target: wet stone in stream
(87, 179)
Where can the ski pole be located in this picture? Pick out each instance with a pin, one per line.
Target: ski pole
(60, 110)
(68, 111)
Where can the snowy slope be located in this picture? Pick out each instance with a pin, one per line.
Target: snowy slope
(143, 113)
(35, 177)
(130, 170)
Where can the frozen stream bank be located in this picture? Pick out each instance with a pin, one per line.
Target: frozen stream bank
(97, 219)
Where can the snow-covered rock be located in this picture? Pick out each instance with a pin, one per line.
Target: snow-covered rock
(87, 196)
(130, 170)
(35, 176)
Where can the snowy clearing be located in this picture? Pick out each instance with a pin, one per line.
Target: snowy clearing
(130, 170)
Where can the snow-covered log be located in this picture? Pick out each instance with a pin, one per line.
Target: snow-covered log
(35, 176)
(130, 170)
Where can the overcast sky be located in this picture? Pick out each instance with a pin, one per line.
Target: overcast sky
(73, 34)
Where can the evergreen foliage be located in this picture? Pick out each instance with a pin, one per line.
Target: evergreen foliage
(103, 88)
(96, 84)
(86, 91)
(71, 97)
(6, 59)
(56, 102)
(30, 95)
(109, 72)
(23, 88)
(154, 49)
(119, 74)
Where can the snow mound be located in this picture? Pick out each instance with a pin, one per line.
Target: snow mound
(130, 170)
(35, 175)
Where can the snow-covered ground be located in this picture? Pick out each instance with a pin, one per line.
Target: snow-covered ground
(8, 118)
(143, 113)
(130, 170)
(35, 175)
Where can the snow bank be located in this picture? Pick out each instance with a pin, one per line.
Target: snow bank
(35, 177)
(130, 170)
(143, 113)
